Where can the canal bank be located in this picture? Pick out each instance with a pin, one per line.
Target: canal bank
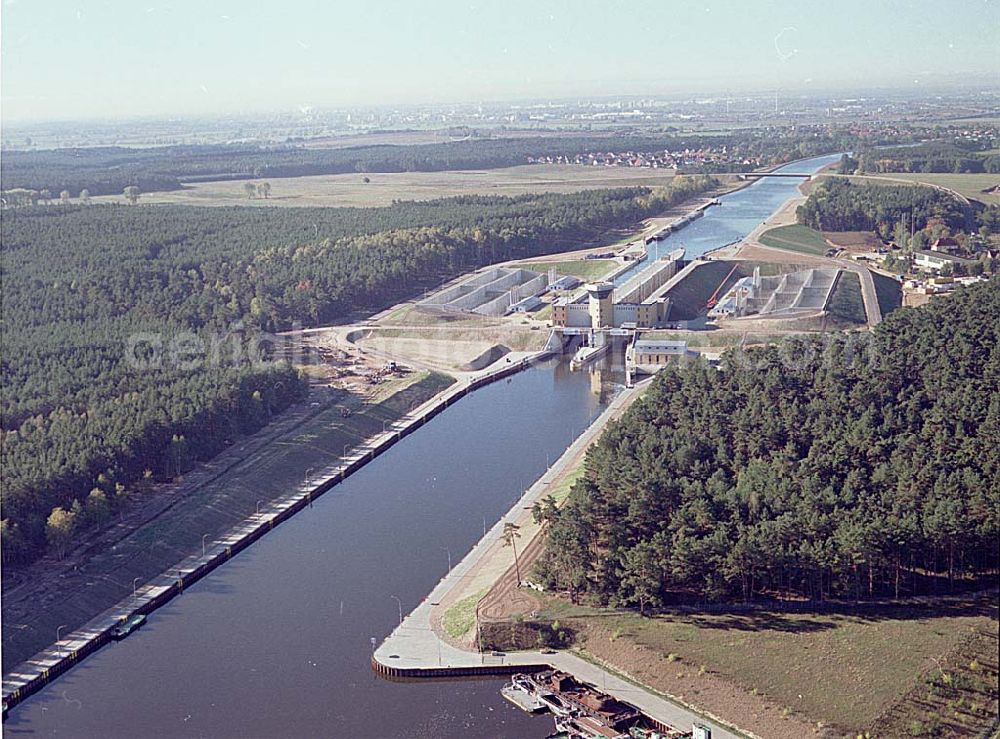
(415, 650)
(33, 674)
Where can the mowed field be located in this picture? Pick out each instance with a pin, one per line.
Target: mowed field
(970, 185)
(351, 190)
(796, 238)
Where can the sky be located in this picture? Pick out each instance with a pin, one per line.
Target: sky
(107, 59)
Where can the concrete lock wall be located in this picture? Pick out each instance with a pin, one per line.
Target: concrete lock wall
(464, 288)
(499, 305)
(577, 315)
(490, 291)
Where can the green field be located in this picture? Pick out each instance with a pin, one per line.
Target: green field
(969, 185)
(796, 238)
(585, 269)
(461, 617)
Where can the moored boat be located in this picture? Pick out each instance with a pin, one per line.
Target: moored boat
(127, 625)
(522, 698)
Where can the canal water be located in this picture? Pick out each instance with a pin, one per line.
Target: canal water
(738, 214)
(277, 642)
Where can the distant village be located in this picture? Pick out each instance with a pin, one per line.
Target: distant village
(719, 158)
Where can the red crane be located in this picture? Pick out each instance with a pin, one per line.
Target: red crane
(715, 296)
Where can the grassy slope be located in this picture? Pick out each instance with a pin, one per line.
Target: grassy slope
(888, 292)
(796, 238)
(585, 269)
(844, 669)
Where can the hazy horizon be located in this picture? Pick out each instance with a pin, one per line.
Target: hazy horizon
(66, 61)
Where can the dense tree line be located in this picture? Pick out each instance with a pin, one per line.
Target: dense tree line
(842, 205)
(932, 156)
(108, 170)
(126, 330)
(857, 467)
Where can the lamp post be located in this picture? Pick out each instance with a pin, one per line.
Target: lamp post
(135, 581)
(203, 537)
(58, 629)
(258, 506)
(399, 604)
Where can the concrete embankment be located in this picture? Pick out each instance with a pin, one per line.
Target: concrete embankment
(32, 674)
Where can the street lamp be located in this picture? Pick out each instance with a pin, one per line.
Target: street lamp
(346, 447)
(449, 557)
(203, 537)
(58, 629)
(399, 603)
(135, 581)
(258, 506)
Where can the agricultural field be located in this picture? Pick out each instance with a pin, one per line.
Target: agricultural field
(796, 238)
(383, 188)
(853, 240)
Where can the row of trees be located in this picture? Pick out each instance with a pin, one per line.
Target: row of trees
(20, 197)
(84, 399)
(934, 156)
(858, 467)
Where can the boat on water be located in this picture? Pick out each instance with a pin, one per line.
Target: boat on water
(127, 625)
(521, 698)
(586, 354)
(587, 727)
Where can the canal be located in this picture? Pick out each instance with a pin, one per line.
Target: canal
(738, 214)
(277, 642)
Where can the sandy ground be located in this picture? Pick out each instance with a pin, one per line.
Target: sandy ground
(710, 693)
